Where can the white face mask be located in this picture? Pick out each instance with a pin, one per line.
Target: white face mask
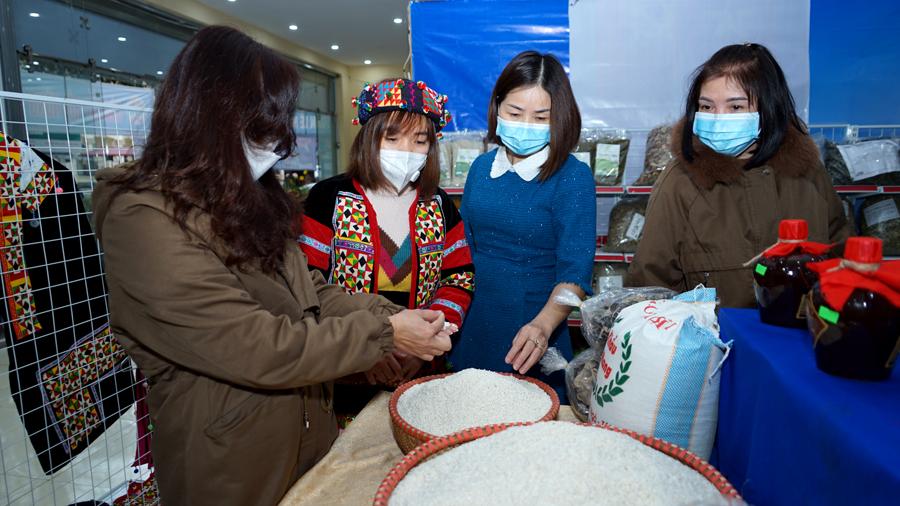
(260, 159)
(401, 167)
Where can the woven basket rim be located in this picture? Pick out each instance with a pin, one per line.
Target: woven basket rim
(421, 435)
(436, 445)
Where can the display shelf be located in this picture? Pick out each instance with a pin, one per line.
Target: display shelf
(646, 190)
(859, 188)
(604, 256)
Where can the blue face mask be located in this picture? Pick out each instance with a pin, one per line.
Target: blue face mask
(728, 134)
(523, 139)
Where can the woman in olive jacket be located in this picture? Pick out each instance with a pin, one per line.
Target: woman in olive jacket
(743, 162)
(213, 299)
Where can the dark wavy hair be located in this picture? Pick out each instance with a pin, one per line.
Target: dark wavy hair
(754, 69)
(224, 86)
(530, 68)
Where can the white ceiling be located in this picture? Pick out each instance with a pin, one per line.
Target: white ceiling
(364, 29)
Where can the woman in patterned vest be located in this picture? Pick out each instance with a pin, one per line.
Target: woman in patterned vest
(384, 226)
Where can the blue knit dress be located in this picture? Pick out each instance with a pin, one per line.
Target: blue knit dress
(526, 237)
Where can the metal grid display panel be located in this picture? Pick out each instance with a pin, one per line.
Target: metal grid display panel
(83, 137)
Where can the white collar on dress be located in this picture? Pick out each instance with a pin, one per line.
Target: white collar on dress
(527, 169)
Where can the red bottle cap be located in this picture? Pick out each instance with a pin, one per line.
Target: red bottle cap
(793, 230)
(865, 250)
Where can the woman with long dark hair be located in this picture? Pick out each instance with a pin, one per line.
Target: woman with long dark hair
(743, 162)
(530, 214)
(210, 295)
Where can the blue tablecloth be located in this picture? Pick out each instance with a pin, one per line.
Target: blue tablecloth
(792, 434)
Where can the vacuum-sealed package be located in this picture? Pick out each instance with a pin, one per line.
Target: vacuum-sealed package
(880, 217)
(626, 224)
(658, 155)
(875, 161)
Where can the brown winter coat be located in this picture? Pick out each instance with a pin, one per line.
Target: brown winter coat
(239, 363)
(708, 217)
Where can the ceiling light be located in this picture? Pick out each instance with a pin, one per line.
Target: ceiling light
(293, 28)
(27, 66)
(367, 62)
(35, 63)
(114, 69)
(398, 20)
(335, 47)
(38, 78)
(159, 72)
(307, 65)
(122, 39)
(232, 1)
(34, 14)
(104, 60)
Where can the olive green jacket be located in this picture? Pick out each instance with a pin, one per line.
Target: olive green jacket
(708, 217)
(239, 363)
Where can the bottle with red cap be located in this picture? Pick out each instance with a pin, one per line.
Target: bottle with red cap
(780, 277)
(853, 312)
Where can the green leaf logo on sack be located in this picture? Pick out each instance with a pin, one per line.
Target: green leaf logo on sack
(605, 393)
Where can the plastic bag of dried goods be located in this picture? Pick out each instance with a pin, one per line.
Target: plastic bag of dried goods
(626, 224)
(658, 155)
(880, 218)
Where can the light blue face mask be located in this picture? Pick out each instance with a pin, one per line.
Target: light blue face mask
(523, 139)
(728, 134)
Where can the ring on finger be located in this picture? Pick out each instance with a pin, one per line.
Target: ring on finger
(536, 342)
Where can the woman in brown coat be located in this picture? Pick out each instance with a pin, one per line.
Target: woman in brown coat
(212, 297)
(744, 162)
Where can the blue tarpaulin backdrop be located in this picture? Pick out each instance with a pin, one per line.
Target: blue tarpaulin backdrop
(460, 46)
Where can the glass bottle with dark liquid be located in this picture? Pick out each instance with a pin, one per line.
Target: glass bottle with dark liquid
(861, 339)
(781, 281)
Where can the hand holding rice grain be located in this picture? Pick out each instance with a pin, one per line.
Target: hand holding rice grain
(471, 398)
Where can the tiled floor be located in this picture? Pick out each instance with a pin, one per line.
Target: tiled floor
(99, 473)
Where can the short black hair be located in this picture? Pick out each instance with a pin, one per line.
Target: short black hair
(754, 69)
(530, 68)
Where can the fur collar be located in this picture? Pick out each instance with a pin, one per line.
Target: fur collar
(797, 157)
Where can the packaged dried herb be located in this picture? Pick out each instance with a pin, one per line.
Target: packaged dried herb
(875, 161)
(460, 149)
(880, 218)
(626, 224)
(608, 275)
(605, 151)
(658, 155)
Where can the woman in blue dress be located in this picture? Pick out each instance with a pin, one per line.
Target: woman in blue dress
(530, 214)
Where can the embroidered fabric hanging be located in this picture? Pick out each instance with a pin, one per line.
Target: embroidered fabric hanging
(70, 378)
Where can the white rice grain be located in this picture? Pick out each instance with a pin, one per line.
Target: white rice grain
(553, 463)
(471, 398)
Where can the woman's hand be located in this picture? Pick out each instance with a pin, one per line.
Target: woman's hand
(410, 367)
(394, 369)
(421, 333)
(387, 371)
(528, 347)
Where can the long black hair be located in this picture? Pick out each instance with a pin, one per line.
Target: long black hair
(530, 68)
(754, 69)
(221, 87)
